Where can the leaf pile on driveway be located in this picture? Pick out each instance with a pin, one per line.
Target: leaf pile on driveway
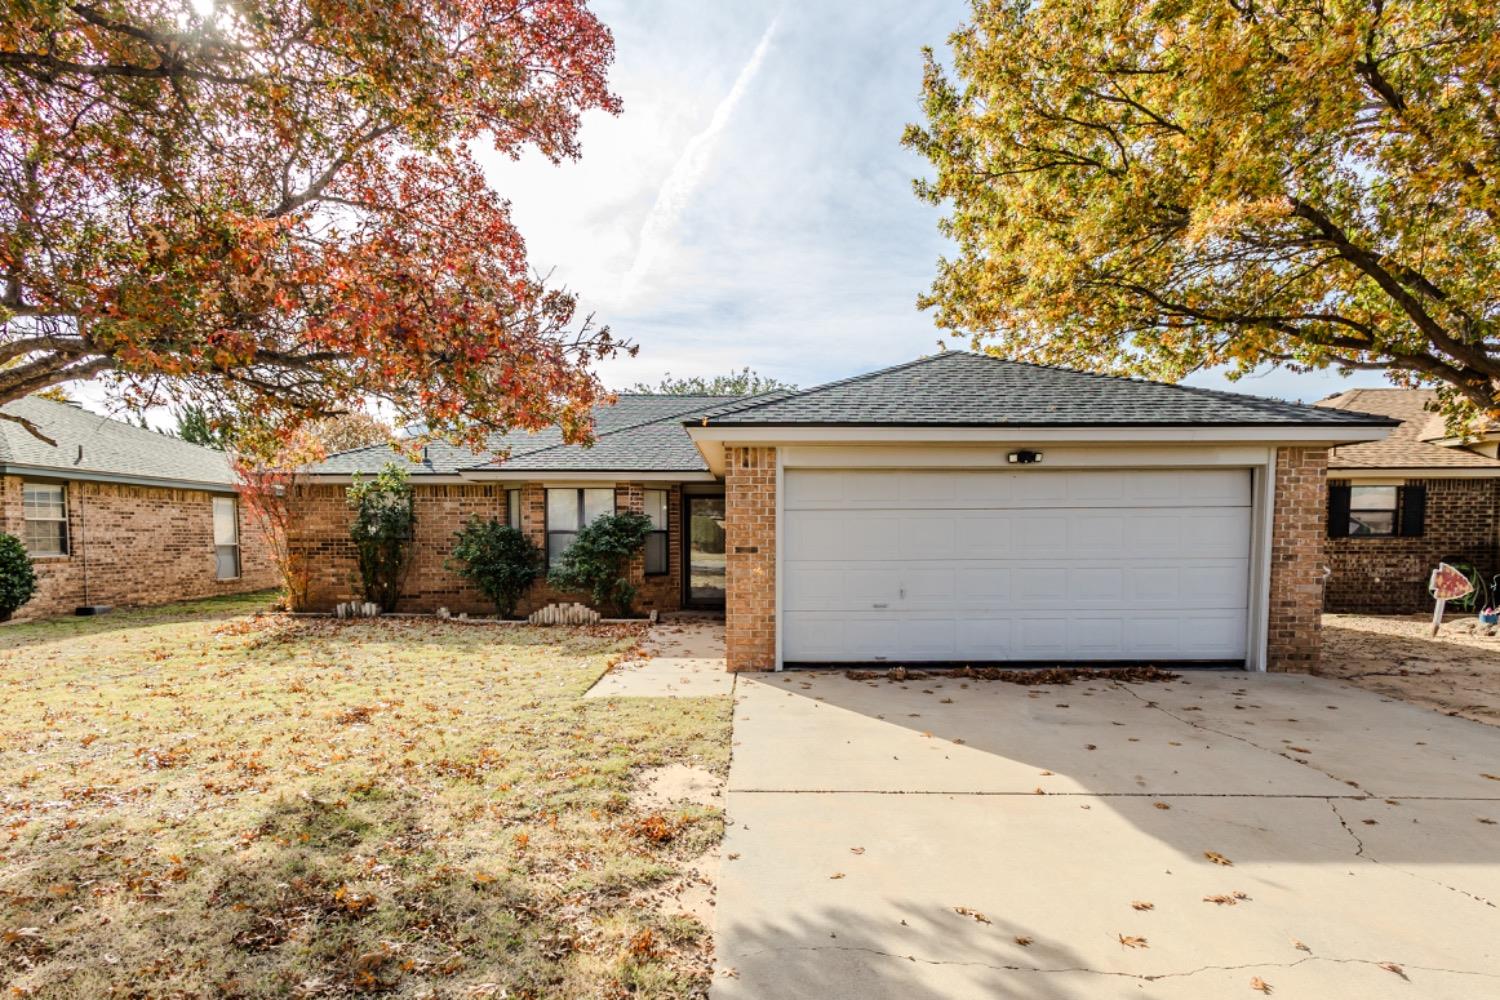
(1042, 675)
(198, 803)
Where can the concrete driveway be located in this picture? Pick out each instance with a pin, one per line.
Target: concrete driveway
(1209, 837)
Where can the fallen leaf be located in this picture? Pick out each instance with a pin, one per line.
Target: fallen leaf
(856, 850)
(1131, 941)
(1140, 905)
(1023, 940)
(1392, 967)
(1257, 983)
(1226, 898)
(1300, 946)
(837, 875)
(1218, 858)
(1161, 805)
(978, 917)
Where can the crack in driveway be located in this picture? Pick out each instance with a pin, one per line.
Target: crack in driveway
(1360, 853)
(1242, 739)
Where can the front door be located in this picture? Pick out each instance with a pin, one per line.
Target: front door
(705, 552)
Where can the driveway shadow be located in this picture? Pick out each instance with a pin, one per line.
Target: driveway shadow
(1285, 765)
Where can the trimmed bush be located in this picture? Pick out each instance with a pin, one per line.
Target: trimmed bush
(598, 561)
(17, 578)
(382, 533)
(498, 559)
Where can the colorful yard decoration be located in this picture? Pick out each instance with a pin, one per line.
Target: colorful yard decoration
(1447, 584)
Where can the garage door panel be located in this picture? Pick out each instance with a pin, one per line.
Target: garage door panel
(1040, 565)
(1096, 638)
(927, 535)
(984, 534)
(1039, 534)
(890, 488)
(1041, 638)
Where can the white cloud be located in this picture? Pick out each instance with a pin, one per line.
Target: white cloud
(689, 171)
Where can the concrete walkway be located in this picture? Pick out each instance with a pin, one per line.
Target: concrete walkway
(681, 658)
(1204, 838)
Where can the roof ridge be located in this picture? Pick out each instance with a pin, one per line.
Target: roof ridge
(1239, 397)
(798, 393)
(664, 418)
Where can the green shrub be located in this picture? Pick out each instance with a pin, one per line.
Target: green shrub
(598, 561)
(499, 560)
(382, 533)
(17, 578)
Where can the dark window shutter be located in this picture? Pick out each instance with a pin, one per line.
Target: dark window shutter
(1338, 511)
(1413, 502)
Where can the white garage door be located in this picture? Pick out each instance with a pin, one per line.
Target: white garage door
(1015, 565)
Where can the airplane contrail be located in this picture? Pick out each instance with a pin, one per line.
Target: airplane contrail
(687, 173)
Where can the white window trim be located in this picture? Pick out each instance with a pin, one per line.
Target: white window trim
(239, 569)
(67, 538)
(665, 531)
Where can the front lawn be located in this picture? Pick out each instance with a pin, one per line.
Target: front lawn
(200, 802)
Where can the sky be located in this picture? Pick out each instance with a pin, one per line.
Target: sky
(752, 204)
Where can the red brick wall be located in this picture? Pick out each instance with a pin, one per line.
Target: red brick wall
(1389, 575)
(441, 510)
(1298, 532)
(136, 545)
(750, 560)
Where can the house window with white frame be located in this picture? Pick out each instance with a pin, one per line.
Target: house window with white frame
(656, 508)
(226, 538)
(44, 516)
(513, 508)
(569, 509)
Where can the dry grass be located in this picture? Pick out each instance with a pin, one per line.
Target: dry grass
(1456, 672)
(202, 803)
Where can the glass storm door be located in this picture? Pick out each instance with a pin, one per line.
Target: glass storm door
(705, 552)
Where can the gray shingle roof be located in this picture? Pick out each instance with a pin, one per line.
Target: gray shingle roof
(639, 433)
(960, 389)
(93, 446)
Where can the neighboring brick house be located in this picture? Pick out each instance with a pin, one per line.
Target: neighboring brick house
(957, 509)
(113, 514)
(1399, 506)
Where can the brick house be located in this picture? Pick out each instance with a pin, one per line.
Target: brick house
(959, 508)
(113, 514)
(1399, 506)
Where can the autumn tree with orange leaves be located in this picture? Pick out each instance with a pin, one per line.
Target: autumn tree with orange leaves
(272, 208)
(1156, 188)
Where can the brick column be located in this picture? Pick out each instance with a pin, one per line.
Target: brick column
(1299, 529)
(632, 497)
(534, 514)
(750, 558)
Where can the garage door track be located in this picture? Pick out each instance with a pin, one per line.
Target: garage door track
(1220, 835)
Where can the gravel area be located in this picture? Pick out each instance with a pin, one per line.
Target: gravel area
(1456, 672)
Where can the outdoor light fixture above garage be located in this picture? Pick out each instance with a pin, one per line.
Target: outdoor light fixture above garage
(1025, 458)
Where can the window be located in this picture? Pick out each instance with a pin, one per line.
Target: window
(44, 513)
(1376, 511)
(570, 509)
(513, 508)
(226, 538)
(1372, 510)
(656, 542)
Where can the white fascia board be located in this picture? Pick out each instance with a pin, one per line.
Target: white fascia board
(517, 478)
(588, 477)
(343, 479)
(829, 434)
(996, 456)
